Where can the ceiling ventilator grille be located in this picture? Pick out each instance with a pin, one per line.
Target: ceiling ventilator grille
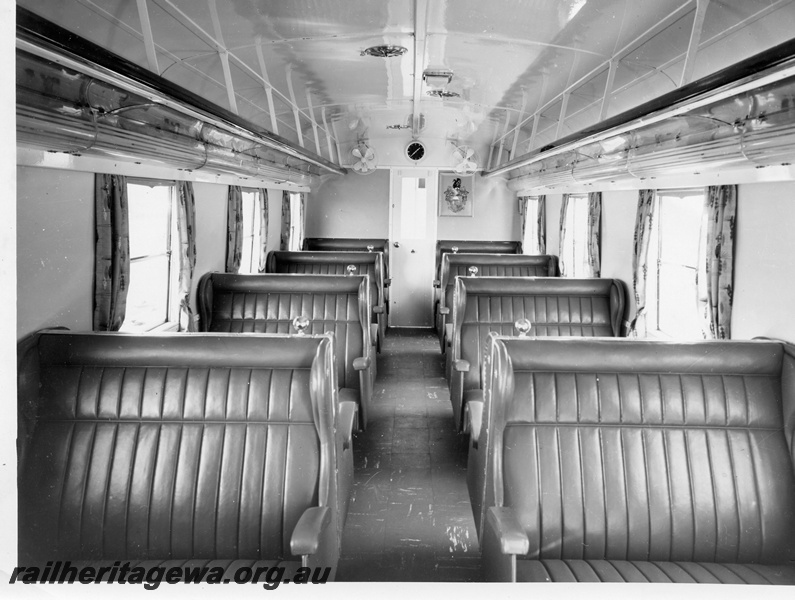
(387, 51)
(443, 93)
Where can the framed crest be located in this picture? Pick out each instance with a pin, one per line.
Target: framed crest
(456, 195)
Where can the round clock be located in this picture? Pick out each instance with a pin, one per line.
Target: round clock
(415, 151)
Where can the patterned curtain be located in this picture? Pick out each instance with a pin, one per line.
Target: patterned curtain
(186, 224)
(564, 207)
(263, 230)
(285, 241)
(301, 223)
(594, 233)
(234, 228)
(524, 202)
(112, 252)
(643, 226)
(541, 224)
(716, 261)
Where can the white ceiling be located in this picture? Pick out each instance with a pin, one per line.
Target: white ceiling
(296, 66)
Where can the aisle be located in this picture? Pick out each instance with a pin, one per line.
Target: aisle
(410, 517)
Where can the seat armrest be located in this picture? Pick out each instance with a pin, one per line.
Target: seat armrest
(309, 530)
(444, 310)
(387, 281)
(436, 283)
(348, 412)
(503, 523)
(473, 417)
(448, 333)
(461, 365)
(379, 310)
(361, 363)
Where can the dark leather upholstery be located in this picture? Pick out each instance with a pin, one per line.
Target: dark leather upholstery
(619, 460)
(474, 246)
(336, 263)
(554, 306)
(179, 447)
(488, 265)
(351, 244)
(269, 303)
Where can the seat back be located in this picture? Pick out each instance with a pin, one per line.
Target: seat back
(493, 265)
(554, 306)
(333, 263)
(269, 303)
(653, 451)
(350, 244)
(474, 246)
(172, 446)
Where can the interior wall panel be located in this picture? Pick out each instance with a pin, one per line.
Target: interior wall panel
(55, 249)
(618, 228)
(350, 206)
(764, 262)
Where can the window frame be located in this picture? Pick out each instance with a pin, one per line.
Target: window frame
(656, 259)
(253, 232)
(294, 239)
(576, 202)
(172, 249)
(531, 225)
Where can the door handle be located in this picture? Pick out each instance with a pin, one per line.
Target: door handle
(396, 245)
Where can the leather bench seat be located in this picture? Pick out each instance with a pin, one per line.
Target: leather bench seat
(269, 303)
(181, 447)
(338, 263)
(624, 460)
(487, 265)
(353, 245)
(554, 306)
(623, 571)
(474, 246)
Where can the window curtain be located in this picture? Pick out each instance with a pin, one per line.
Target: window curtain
(112, 252)
(524, 203)
(263, 230)
(541, 224)
(301, 222)
(644, 219)
(716, 261)
(186, 225)
(564, 208)
(594, 234)
(285, 241)
(234, 229)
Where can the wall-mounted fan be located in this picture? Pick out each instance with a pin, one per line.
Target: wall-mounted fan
(466, 161)
(366, 161)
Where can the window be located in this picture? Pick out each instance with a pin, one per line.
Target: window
(671, 295)
(296, 222)
(531, 233)
(249, 262)
(151, 297)
(574, 249)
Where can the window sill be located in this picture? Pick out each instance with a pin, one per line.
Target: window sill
(168, 326)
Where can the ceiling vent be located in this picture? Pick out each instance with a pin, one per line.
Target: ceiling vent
(387, 51)
(443, 93)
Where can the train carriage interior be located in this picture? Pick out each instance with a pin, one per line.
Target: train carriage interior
(402, 291)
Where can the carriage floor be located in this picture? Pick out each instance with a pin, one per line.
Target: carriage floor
(410, 518)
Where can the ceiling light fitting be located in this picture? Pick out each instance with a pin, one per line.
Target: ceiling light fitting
(387, 51)
(437, 78)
